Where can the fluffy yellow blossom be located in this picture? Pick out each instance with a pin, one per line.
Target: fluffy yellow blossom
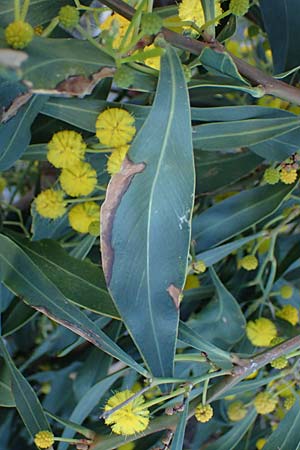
(286, 291)
(239, 7)
(129, 419)
(152, 61)
(203, 413)
(271, 175)
(289, 402)
(50, 204)
(260, 443)
(289, 313)
(18, 34)
(191, 282)
(65, 149)
(260, 332)
(249, 262)
(115, 160)
(83, 215)
(80, 179)
(116, 25)
(199, 266)
(236, 411)
(115, 127)
(279, 363)
(68, 16)
(288, 176)
(44, 439)
(264, 403)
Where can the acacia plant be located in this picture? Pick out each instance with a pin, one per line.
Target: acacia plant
(149, 233)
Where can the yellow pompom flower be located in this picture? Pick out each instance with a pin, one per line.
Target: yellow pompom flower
(68, 16)
(236, 411)
(279, 363)
(18, 34)
(260, 443)
(199, 266)
(3, 184)
(191, 282)
(115, 160)
(288, 176)
(116, 25)
(192, 11)
(115, 127)
(153, 61)
(50, 204)
(80, 179)
(65, 149)
(289, 313)
(260, 332)
(44, 439)
(129, 419)
(249, 262)
(204, 413)
(239, 7)
(286, 291)
(264, 403)
(83, 215)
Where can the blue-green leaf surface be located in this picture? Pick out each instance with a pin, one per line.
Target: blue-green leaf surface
(150, 248)
(177, 442)
(235, 214)
(25, 398)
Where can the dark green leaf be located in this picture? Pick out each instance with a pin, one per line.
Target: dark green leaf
(177, 442)
(287, 434)
(16, 317)
(6, 395)
(190, 337)
(25, 398)
(15, 134)
(220, 64)
(235, 214)
(230, 439)
(157, 206)
(23, 277)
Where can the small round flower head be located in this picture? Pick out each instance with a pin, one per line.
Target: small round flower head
(94, 228)
(260, 332)
(115, 127)
(289, 402)
(83, 215)
(239, 7)
(288, 176)
(271, 175)
(279, 363)
(68, 16)
(191, 282)
(236, 411)
(19, 34)
(286, 291)
(129, 419)
(3, 184)
(249, 262)
(152, 61)
(65, 149)
(50, 204)
(116, 25)
(289, 313)
(115, 160)
(151, 23)
(124, 77)
(192, 11)
(264, 403)
(80, 179)
(203, 413)
(199, 266)
(260, 443)
(44, 439)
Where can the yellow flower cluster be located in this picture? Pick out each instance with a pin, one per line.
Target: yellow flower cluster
(249, 262)
(129, 419)
(289, 313)
(66, 151)
(236, 411)
(286, 291)
(115, 128)
(264, 403)
(203, 413)
(19, 34)
(44, 439)
(260, 332)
